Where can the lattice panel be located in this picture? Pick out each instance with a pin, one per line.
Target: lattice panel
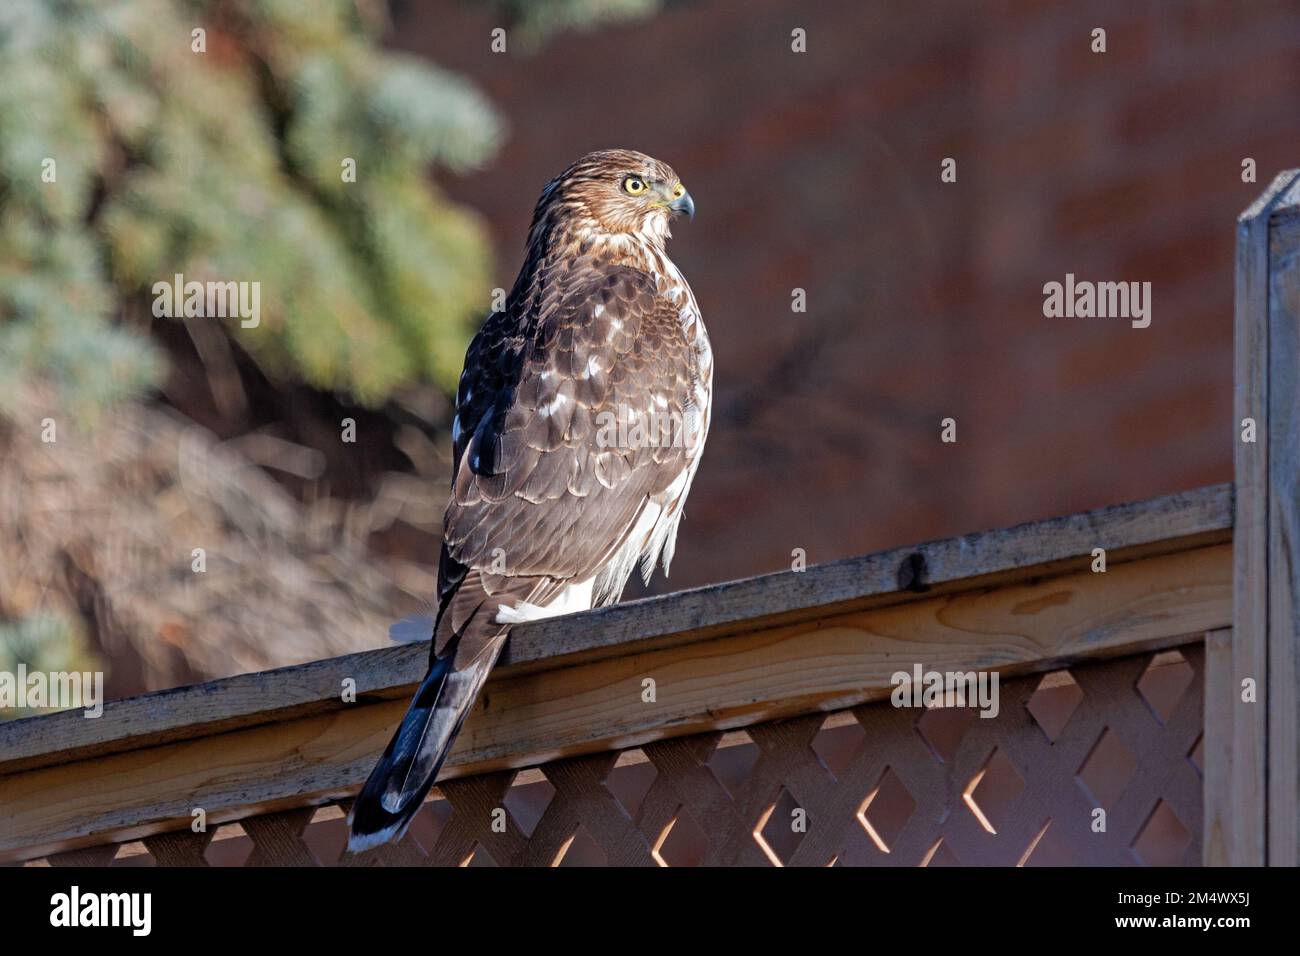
(870, 786)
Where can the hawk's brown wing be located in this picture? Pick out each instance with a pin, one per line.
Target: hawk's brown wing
(547, 489)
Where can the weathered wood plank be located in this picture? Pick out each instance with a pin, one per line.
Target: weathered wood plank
(1218, 847)
(1260, 526)
(528, 716)
(1250, 535)
(1284, 529)
(1161, 525)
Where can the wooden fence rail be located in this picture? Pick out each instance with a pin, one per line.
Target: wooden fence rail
(1015, 601)
(1264, 771)
(1148, 711)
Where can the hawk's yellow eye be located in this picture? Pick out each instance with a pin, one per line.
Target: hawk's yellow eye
(634, 185)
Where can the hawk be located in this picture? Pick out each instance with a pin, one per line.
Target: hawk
(580, 418)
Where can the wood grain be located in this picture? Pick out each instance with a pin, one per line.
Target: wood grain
(1284, 528)
(1263, 645)
(1222, 699)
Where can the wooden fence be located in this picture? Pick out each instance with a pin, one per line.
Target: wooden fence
(1146, 713)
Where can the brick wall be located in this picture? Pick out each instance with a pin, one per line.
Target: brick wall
(821, 171)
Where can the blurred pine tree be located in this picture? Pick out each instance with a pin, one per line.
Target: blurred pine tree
(228, 164)
(46, 643)
(131, 152)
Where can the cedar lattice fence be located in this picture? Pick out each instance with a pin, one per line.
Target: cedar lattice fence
(875, 786)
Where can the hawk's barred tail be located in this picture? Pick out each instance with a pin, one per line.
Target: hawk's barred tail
(405, 773)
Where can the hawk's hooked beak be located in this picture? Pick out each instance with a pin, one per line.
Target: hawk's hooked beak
(684, 205)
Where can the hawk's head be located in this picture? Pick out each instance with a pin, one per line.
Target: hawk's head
(615, 192)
